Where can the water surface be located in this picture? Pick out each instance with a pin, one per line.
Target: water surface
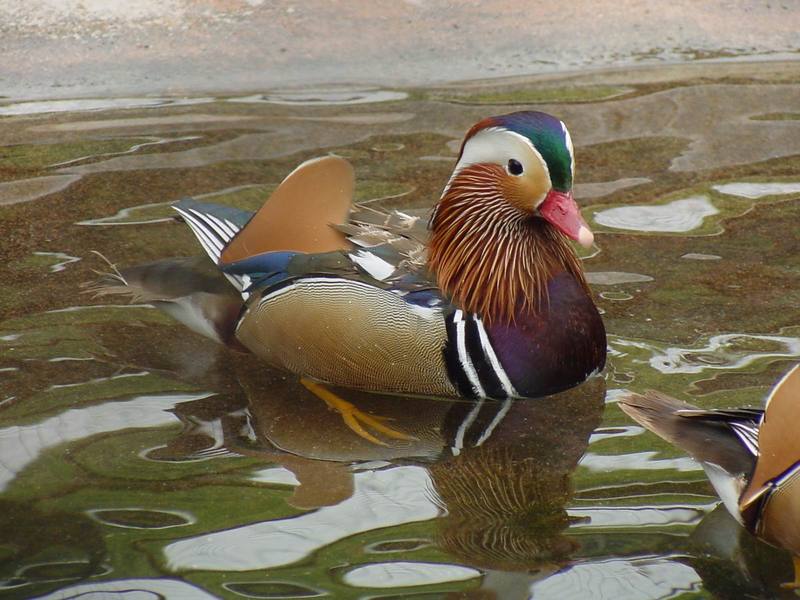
(136, 456)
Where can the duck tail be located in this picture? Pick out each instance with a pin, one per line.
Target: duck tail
(115, 282)
(726, 438)
(190, 290)
(657, 412)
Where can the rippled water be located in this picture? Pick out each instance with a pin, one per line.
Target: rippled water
(137, 456)
(680, 216)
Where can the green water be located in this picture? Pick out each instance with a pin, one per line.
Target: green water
(135, 455)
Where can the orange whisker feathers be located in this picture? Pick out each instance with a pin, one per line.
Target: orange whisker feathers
(491, 257)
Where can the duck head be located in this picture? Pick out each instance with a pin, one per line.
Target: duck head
(499, 231)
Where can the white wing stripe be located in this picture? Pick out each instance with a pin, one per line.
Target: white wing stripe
(198, 227)
(210, 228)
(210, 242)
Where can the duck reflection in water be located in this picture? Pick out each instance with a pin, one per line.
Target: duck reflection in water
(499, 471)
(734, 564)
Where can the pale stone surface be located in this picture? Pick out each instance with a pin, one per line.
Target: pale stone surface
(69, 48)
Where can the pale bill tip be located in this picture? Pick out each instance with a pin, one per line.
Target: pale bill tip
(585, 237)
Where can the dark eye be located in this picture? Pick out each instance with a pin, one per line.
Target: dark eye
(514, 167)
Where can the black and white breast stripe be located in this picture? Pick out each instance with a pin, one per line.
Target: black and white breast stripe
(213, 234)
(471, 362)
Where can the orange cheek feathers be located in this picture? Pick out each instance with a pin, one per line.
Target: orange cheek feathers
(525, 192)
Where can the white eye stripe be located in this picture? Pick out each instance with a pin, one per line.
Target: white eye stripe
(496, 145)
(568, 142)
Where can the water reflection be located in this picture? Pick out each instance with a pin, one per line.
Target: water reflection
(22, 445)
(755, 190)
(60, 260)
(141, 518)
(134, 148)
(89, 104)
(45, 547)
(125, 436)
(679, 216)
(734, 564)
(620, 579)
(377, 499)
(407, 574)
(25, 190)
(479, 489)
(324, 97)
(719, 352)
(144, 589)
(496, 475)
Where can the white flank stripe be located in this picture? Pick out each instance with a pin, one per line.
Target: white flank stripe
(458, 443)
(274, 294)
(770, 488)
(463, 356)
(499, 371)
(495, 422)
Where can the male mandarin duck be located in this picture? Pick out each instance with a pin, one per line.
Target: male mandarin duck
(489, 302)
(751, 456)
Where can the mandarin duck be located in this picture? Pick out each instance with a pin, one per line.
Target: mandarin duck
(488, 301)
(751, 456)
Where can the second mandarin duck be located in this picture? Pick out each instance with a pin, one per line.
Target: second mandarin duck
(488, 301)
(751, 456)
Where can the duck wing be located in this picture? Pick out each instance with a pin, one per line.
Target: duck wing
(778, 468)
(299, 213)
(309, 226)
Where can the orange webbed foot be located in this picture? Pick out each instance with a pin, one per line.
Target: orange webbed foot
(354, 417)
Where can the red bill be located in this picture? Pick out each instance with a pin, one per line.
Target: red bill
(561, 210)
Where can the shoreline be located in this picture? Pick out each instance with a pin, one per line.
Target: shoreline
(91, 48)
(775, 66)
